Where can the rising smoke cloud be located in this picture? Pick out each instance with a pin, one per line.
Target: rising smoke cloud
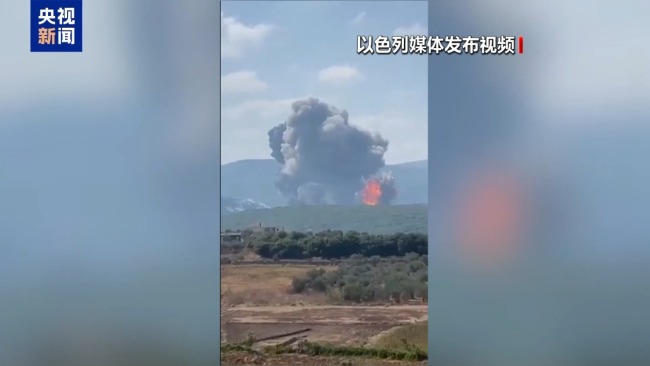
(325, 159)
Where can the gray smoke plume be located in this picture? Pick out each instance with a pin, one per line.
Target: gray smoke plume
(325, 160)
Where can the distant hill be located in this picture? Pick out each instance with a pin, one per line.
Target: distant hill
(372, 219)
(251, 179)
(254, 180)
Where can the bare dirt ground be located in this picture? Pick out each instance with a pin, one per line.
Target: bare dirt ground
(256, 300)
(264, 284)
(341, 325)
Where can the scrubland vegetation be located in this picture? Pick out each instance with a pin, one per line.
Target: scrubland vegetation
(373, 279)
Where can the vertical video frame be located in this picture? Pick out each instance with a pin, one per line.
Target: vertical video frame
(323, 183)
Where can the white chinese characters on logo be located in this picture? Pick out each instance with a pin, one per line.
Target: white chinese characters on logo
(66, 16)
(66, 36)
(46, 16)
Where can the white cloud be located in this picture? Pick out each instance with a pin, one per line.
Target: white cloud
(416, 29)
(359, 18)
(237, 37)
(340, 75)
(241, 82)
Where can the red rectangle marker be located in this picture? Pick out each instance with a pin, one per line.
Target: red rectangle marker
(521, 44)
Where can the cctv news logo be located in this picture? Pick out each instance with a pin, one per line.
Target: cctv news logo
(56, 26)
(435, 45)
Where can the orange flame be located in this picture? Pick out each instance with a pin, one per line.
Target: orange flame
(371, 193)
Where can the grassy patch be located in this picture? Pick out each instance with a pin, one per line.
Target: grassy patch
(404, 337)
(315, 349)
(260, 284)
(235, 347)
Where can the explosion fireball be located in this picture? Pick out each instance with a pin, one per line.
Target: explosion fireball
(379, 190)
(371, 193)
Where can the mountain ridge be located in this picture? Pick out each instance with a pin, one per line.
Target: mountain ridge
(254, 179)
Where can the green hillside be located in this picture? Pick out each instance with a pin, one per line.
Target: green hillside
(371, 219)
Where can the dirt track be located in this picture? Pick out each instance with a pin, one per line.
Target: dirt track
(348, 325)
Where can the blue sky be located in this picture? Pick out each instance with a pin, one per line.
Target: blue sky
(274, 53)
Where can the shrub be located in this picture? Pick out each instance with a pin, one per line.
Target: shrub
(318, 284)
(299, 284)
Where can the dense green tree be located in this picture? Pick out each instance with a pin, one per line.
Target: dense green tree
(336, 245)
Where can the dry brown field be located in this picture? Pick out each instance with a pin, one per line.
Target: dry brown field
(256, 301)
